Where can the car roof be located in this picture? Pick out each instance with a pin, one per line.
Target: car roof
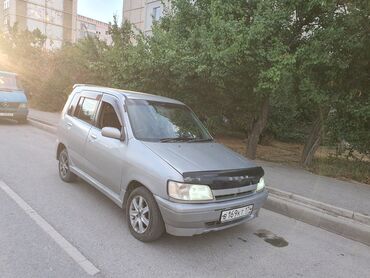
(127, 93)
(7, 73)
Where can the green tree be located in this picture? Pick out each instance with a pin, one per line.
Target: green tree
(299, 68)
(49, 75)
(25, 55)
(222, 58)
(82, 62)
(333, 65)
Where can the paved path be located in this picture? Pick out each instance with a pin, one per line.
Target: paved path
(45, 117)
(353, 196)
(97, 228)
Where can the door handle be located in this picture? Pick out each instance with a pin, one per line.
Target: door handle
(93, 136)
(69, 124)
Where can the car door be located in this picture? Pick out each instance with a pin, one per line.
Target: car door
(78, 123)
(105, 155)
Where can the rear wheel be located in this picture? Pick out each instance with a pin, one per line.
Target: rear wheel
(143, 215)
(64, 169)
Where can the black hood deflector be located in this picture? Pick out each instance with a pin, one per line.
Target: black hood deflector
(226, 178)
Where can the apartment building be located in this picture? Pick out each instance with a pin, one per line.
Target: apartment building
(88, 27)
(56, 19)
(142, 13)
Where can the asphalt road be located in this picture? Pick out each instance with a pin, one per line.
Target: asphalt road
(96, 227)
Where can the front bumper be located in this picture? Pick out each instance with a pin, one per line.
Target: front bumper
(191, 219)
(17, 114)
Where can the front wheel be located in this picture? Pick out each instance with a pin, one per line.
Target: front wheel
(143, 215)
(22, 120)
(64, 168)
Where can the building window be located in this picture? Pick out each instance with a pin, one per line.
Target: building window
(36, 12)
(6, 21)
(157, 13)
(87, 26)
(6, 4)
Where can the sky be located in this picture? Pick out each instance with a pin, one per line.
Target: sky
(102, 10)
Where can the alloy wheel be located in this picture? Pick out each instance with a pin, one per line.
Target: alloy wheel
(63, 165)
(139, 214)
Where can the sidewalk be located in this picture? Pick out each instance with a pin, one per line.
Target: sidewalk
(44, 117)
(352, 196)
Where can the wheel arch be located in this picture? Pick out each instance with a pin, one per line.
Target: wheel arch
(60, 147)
(130, 187)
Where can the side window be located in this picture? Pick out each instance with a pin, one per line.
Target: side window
(73, 105)
(78, 107)
(108, 117)
(86, 109)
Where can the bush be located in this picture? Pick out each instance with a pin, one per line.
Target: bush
(342, 168)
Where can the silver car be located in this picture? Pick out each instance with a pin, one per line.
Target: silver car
(152, 156)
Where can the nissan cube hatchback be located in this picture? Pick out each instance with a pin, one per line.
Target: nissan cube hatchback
(152, 156)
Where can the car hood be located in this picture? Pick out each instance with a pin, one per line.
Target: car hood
(195, 157)
(13, 96)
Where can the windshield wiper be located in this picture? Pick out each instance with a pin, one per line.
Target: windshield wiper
(201, 140)
(176, 139)
(8, 89)
(185, 139)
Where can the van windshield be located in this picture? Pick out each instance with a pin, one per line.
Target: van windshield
(165, 122)
(9, 82)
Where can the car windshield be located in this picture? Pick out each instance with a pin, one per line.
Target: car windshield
(165, 122)
(9, 82)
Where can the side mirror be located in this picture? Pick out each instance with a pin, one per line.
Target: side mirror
(111, 132)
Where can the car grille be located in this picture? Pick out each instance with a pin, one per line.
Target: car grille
(9, 105)
(233, 196)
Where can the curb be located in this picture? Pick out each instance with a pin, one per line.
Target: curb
(42, 125)
(329, 209)
(321, 215)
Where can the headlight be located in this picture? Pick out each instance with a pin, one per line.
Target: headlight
(261, 184)
(189, 192)
(22, 106)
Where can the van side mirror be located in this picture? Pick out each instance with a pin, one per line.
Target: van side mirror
(111, 132)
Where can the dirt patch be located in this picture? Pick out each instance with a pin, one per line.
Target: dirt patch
(276, 151)
(290, 153)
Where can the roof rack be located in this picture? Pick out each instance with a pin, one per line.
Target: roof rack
(8, 72)
(81, 85)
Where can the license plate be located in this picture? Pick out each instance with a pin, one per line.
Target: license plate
(6, 114)
(232, 214)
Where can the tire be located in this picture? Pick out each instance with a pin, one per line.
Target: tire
(63, 166)
(22, 121)
(154, 228)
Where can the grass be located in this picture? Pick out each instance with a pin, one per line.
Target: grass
(342, 168)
